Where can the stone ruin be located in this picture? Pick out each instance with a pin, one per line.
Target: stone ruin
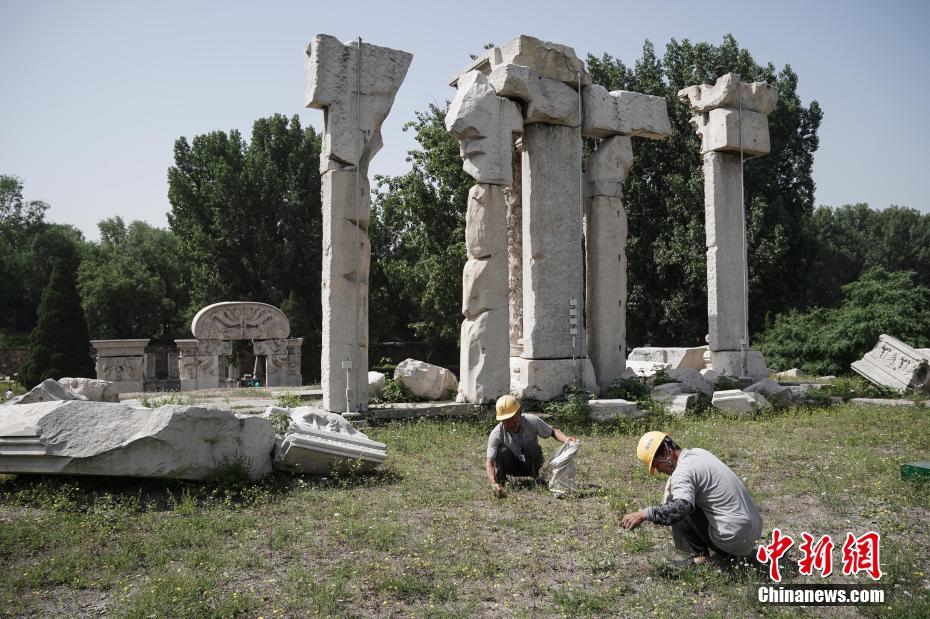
(197, 365)
(544, 288)
(731, 117)
(354, 84)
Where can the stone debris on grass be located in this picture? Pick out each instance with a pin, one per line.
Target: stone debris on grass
(771, 391)
(895, 365)
(426, 380)
(376, 382)
(695, 380)
(71, 437)
(737, 401)
(678, 404)
(787, 374)
(49, 390)
(318, 442)
(612, 410)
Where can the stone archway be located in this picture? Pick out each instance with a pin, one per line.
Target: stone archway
(216, 326)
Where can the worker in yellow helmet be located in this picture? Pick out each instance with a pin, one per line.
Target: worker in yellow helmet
(513, 445)
(706, 504)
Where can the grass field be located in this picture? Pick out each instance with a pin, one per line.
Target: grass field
(425, 537)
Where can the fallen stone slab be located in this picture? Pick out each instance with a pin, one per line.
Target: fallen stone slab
(647, 360)
(666, 390)
(736, 401)
(318, 443)
(888, 402)
(49, 390)
(693, 378)
(612, 410)
(91, 388)
(895, 365)
(772, 391)
(102, 438)
(678, 404)
(426, 380)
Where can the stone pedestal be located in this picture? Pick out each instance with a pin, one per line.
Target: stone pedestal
(294, 377)
(275, 354)
(121, 362)
(545, 379)
(198, 363)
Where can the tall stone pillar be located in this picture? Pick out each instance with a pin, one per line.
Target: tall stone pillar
(611, 117)
(355, 84)
(513, 196)
(731, 118)
(484, 124)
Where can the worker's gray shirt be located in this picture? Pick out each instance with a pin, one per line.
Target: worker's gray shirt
(530, 428)
(711, 486)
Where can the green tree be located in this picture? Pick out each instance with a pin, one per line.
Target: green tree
(664, 195)
(133, 283)
(418, 241)
(20, 222)
(248, 220)
(59, 345)
(826, 341)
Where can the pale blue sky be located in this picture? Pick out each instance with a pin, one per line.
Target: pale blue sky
(94, 94)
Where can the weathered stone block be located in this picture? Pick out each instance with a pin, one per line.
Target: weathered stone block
(728, 91)
(646, 360)
(545, 379)
(666, 390)
(678, 404)
(49, 390)
(551, 60)
(692, 378)
(484, 286)
(486, 222)
(544, 100)
(332, 79)
(607, 167)
(895, 365)
(426, 380)
(553, 269)
(730, 362)
(736, 401)
(96, 390)
(102, 438)
(484, 124)
(772, 391)
(721, 131)
(613, 410)
(484, 372)
(621, 112)
(338, 191)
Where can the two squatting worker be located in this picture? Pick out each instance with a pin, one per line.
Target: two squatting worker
(706, 503)
(513, 445)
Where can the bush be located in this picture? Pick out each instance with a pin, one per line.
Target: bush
(288, 399)
(573, 409)
(827, 341)
(633, 389)
(396, 391)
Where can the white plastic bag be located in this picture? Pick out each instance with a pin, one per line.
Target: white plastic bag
(563, 469)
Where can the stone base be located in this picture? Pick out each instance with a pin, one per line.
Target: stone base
(730, 362)
(546, 379)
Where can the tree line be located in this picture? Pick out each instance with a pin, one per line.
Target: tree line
(245, 224)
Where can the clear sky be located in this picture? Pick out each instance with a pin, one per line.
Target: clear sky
(94, 94)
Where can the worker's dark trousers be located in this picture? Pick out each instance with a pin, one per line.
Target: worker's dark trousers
(505, 463)
(692, 534)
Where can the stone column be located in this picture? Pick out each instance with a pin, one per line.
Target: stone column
(356, 91)
(187, 364)
(484, 124)
(122, 362)
(275, 353)
(612, 117)
(731, 118)
(513, 196)
(294, 377)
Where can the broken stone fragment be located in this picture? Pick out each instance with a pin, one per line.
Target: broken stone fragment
(621, 112)
(484, 124)
(549, 60)
(678, 404)
(895, 365)
(692, 378)
(612, 410)
(47, 391)
(607, 167)
(426, 380)
(332, 84)
(103, 438)
(736, 401)
(543, 100)
(720, 132)
(772, 391)
(753, 97)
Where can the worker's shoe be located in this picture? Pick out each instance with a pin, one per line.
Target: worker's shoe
(691, 561)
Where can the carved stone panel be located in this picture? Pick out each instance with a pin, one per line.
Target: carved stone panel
(240, 320)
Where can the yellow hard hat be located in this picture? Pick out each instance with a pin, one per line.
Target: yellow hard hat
(507, 406)
(648, 446)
